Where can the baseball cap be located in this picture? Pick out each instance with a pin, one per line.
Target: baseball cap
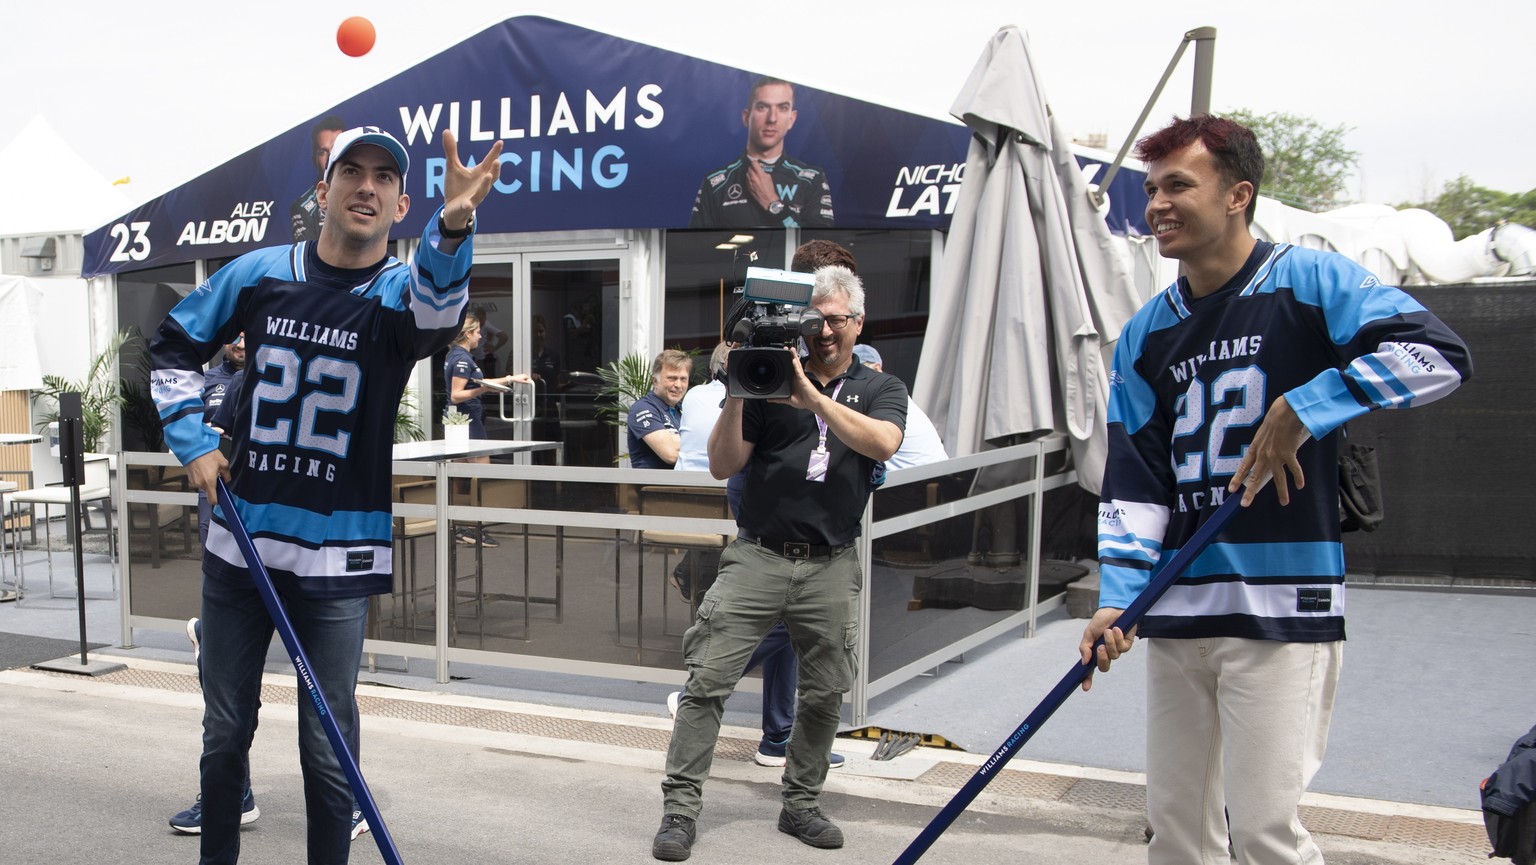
(368, 135)
(864, 353)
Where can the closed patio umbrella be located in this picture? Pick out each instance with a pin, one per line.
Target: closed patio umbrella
(1031, 291)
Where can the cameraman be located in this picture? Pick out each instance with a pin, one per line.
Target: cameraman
(811, 462)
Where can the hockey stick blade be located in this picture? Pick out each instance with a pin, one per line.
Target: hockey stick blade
(301, 665)
(1059, 694)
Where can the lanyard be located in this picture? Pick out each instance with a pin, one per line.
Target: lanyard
(821, 424)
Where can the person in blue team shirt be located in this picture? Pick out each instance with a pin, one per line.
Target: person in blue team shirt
(654, 418)
(921, 444)
(216, 387)
(1239, 374)
(466, 385)
(333, 330)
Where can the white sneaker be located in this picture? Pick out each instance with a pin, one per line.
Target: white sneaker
(672, 700)
(195, 634)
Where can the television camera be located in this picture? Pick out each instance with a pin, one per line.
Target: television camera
(775, 313)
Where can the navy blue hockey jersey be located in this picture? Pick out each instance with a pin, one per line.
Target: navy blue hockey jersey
(1192, 380)
(328, 353)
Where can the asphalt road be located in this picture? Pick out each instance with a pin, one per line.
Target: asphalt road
(92, 771)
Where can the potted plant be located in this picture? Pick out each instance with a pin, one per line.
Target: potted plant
(406, 427)
(100, 394)
(455, 426)
(624, 381)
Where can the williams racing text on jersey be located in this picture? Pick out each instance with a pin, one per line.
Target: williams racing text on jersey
(1191, 383)
(328, 353)
(724, 200)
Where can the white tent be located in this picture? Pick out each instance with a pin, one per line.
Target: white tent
(46, 187)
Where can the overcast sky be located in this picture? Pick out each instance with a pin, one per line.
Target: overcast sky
(161, 90)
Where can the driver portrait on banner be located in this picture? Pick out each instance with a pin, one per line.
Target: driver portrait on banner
(305, 213)
(764, 187)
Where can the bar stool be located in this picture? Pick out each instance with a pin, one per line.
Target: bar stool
(96, 486)
(15, 591)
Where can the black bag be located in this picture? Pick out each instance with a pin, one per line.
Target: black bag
(1509, 804)
(1360, 502)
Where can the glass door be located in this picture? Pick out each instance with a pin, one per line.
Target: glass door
(571, 328)
(556, 317)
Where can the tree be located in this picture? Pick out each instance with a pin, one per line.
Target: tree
(1306, 164)
(1469, 208)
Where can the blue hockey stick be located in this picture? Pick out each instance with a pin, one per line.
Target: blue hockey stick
(1059, 694)
(300, 660)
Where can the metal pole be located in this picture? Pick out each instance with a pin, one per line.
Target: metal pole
(69, 436)
(1205, 60)
(1205, 46)
(866, 547)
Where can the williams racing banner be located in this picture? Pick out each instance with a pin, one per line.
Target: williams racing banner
(599, 133)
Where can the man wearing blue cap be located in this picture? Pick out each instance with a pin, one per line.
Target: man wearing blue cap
(921, 445)
(333, 329)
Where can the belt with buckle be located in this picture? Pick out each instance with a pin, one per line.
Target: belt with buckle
(793, 549)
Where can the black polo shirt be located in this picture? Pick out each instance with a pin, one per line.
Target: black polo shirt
(778, 502)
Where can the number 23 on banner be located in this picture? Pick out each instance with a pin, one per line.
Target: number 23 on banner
(132, 241)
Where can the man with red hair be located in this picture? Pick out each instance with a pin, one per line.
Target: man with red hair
(1240, 373)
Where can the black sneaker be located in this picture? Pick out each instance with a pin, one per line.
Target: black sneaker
(812, 827)
(674, 840)
(489, 542)
(464, 537)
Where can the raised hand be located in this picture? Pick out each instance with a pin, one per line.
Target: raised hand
(465, 187)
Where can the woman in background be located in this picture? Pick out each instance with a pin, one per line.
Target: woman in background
(465, 387)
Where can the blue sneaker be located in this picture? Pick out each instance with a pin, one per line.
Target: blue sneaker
(359, 825)
(772, 754)
(190, 821)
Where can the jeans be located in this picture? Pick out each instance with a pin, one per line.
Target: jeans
(777, 656)
(817, 599)
(236, 633)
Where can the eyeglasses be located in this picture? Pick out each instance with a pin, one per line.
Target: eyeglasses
(838, 322)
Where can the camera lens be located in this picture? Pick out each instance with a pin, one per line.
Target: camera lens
(761, 375)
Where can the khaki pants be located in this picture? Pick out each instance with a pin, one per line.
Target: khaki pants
(1235, 731)
(818, 600)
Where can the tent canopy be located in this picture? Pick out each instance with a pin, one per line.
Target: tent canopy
(600, 133)
(48, 188)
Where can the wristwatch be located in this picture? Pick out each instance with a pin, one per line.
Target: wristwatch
(445, 231)
(775, 207)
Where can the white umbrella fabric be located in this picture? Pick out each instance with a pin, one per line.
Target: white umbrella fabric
(20, 302)
(1031, 292)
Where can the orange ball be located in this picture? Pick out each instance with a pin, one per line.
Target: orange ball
(355, 36)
